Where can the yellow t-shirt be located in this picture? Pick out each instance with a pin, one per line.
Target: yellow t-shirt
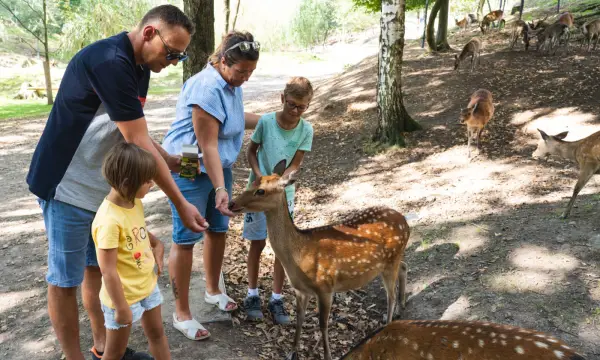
(115, 227)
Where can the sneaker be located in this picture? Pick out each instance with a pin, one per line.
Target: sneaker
(252, 305)
(280, 315)
(130, 354)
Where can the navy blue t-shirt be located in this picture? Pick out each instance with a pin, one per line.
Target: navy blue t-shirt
(103, 73)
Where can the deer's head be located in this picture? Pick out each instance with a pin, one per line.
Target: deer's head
(465, 114)
(266, 195)
(548, 144)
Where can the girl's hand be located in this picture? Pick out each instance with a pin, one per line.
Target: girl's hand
(159, 253)
(124, 316)
(222, 203)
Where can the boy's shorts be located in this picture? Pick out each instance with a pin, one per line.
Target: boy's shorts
(70, 244)
(200, 193)
(255, 224)
(137, 310)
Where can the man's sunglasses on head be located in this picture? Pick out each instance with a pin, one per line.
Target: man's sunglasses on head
(172, 55)
(245, 46)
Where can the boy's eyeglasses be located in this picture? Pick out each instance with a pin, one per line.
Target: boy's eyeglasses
(245, 46)
(172, 55)
(293, 106)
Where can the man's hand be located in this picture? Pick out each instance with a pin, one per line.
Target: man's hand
(123, 316)
(222, 203)
(191, 218)
(159, 253)
(174, 163)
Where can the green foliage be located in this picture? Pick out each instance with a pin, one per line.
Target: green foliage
(19, 109)
(375, 5)
(28, 18)
(97, 19)
(315, 21)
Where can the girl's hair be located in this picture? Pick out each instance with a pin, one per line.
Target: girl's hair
(127, 167)
(298, 87)
(235, 55)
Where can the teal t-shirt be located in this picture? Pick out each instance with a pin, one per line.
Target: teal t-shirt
(277, 144)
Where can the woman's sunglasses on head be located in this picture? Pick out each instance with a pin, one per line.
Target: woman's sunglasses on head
(172, 55)
(245, 46)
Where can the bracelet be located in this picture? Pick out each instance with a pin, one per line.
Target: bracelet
(220, 188)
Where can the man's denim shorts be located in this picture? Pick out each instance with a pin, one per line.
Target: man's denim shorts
(137, 310)
(70, 244)
(200, 193)
(255, 224)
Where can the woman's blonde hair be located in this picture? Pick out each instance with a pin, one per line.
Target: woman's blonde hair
(127, 167)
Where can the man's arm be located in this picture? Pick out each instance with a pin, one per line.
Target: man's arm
(136, 132)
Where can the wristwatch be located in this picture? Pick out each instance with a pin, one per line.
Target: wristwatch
(220, 188)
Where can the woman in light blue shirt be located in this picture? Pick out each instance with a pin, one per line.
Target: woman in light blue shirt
(210, 113)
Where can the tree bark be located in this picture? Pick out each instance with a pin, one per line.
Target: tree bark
(431, 25)
(227, 11)
(237, 11)
(47, 57)
(521, 9)
(480, 10)
(394, 120)
(442, 30)
(202, 13)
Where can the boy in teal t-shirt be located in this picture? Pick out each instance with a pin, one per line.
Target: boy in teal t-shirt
(278, 135)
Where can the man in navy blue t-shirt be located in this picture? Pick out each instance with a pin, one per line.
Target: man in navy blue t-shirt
(99, 104)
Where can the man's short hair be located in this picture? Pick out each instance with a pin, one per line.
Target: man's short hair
(170, 15)
(298, 87)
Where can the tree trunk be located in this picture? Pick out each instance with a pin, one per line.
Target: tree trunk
(202, 13)
(47, 57)
(393, 117)
(521, 9)
(442, 30)
(237, 11)
(431, 25)
(226, 11)
(480, 10)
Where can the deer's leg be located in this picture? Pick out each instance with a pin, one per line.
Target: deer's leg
(472, 61)
(596, 43)
(402, 276)
(585, 174)
(469, 142)
(390, 281)
(301, 304)
(478, 137)
(325, 301)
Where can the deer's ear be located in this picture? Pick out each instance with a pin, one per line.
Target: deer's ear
(290, 178)
(562, 135)
(544, 135)
(279, 168)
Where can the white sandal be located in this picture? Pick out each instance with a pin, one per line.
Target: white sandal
(189, 328)
(221, 300)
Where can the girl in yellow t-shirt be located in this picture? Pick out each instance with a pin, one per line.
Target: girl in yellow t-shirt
(127, 253)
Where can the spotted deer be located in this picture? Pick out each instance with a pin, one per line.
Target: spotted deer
(551, 36)
(585, 152)
(339, 257)
(462, 24)
(495, 15)
(478, 113)
(591, 31)
(472, 48)
(464, 340)
(520, 28)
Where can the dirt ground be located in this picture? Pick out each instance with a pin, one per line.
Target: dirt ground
(487, 242)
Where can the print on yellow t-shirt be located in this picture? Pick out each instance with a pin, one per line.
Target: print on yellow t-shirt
(115, 227)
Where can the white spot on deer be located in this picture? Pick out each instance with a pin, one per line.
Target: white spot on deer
(503, 342)
(429, 356)
(503, 336)
(559, 354)
(478, 330)
(470, 351)
(541, 344)
(517, 337)
(565, 347)
(481, 343)
(396, 238)
(405, 341)
(415, 346)
(455, 344)
(492, 334)
(519, 350)
(554, 341)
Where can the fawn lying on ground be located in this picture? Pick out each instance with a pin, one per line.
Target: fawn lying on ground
(591, 31)
(464, 340)
(585, 152)
(462, 24)
(495, 15)
(478, 113)
(473, 48)
(340, 257)
(520, 27)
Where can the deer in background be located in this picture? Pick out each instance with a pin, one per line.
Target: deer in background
(339, 257)
(462, 24)
(541, 24)
(465, 340)
(495, 15)
(473, 48)
(591, 31)
(520, 28)
(478, 113)
(550, 37)
(585, 152)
